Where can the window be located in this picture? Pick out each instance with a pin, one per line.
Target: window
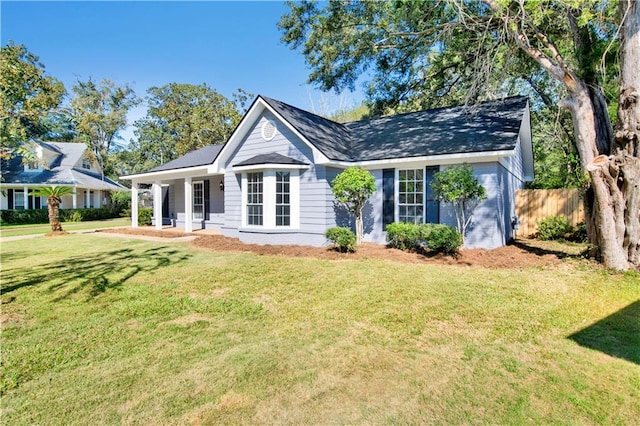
(198, 200)
(91, 199)
(411, 196)
(18, 199)
(271, 198)
(283, 199)
(254, 199)
(32, 165)
(86, 164)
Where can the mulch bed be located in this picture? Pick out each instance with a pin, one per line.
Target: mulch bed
(510, 256)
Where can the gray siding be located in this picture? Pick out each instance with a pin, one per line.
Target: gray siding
(486, 229)
(373, 227)
(314, 189)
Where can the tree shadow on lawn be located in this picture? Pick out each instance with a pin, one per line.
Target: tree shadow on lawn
(617, 335)
(97, 274)
(540, 251)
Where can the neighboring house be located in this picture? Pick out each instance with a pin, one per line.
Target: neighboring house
(270, 183)
(55, 163)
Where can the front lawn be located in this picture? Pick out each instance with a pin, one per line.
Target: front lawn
(104, 331)
(43, 228)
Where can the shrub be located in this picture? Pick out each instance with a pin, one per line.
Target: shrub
(403, 236)
(120, 199)
(554, 228)
(444, 239)
(343, 238)
(411, 237)
(75, 216)
(144, 216)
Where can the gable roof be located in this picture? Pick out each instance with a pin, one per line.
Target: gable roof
(271, 158)
(60, 172)
(331, 138)
(490, 127)
(484, 127)
(199, 157)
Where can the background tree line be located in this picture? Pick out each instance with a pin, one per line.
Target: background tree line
(179, 118)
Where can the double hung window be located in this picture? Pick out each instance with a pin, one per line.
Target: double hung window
(255, 199)
(411, 196)
(283, 199)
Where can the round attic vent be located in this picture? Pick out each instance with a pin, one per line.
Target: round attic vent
(268, 130)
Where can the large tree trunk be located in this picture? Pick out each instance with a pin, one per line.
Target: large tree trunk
(615, 170)
(625, 155)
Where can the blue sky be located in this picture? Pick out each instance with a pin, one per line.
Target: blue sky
(228, 45)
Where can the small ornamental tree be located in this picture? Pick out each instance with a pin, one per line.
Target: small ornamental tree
(352, 188)
(458, 187)
(54, 196)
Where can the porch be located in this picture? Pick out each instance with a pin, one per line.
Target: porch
(184, 204)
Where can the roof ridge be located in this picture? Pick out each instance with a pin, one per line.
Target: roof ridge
(459, 106)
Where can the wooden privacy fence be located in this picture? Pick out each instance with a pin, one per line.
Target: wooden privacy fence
(535, 204)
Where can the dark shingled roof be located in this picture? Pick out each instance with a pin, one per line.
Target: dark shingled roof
(488, 126)
(60, 172)
(331, 138)
(199, 157)
(483, 127)
(272, 158)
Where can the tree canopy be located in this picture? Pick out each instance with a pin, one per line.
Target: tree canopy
(353, 187)
(28, 99)
(185, 117)
(425, 54)
(99, 112)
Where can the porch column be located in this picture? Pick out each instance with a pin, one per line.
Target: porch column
(188, 205)
(134, 204)
(87, 198)
(157, 204)
(74, 198)
(25, 194)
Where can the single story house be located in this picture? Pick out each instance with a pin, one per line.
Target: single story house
(270, 183)
(55, 163)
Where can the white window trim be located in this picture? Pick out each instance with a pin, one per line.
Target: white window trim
(396, 191)
(269, 199)
(193, 199)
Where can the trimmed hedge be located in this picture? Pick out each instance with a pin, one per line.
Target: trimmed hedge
(411, 237)
(24, 217)
(343, 238)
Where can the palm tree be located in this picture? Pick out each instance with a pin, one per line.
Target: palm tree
(54, 196)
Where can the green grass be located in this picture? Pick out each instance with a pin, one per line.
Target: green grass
(16, 230)
(102, 331)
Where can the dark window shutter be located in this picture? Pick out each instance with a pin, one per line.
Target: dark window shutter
(30, 198)
(38, 202)
(10, 197)
(388, 196)
(207, 207)
(433, 206)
